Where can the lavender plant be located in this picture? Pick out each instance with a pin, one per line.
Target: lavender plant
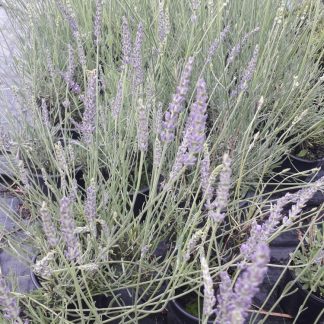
(204, 49)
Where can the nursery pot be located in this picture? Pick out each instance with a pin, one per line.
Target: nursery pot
(101, 300)
(55, 179)
(71, 133)
(142, 197)
(291, 304)
(37, 179)
(178, 314)
(140, 201)
(298, 164)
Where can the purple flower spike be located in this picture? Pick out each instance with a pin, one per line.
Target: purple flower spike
(68, 14)
(90, 208)
(73, 250)
(178, 163)
(176, 105)
(75, 88)
(69, 74)
(209, 295)
(262, 233)
(225, 298)
(216, 208)
(90, 110)
(197, 120)
(205, 176)
(48, 226)
(117, 104)
(50, 66)
(142, 126)
(194, 132)
(233, 306)
(215, 44)
(248, 73)
(162, 28)
(247, 284)
(8, 302)
(98, 21)
(71, 67)
(236, 50)
(137, 56)
(126, 42)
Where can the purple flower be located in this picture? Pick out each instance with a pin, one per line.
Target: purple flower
(248, 73)
(194, 133)
(8, 303)
(158, 119)
(162, 29)
(50, 66)
(175, 107)
(137, 57)
(142, 126)
(90, 207)
(45, 115)
(236, 50)
(178, 162)
(262, 233)
(303, 196)
(48, 226)
(75, 88)
(66, 103)
(233, 306)
(81, 54)
(126, 42)
(197, 120)
(69, 74)
(71, 67)
(90, 110)
(68, 14)
(216, 208)
(195, 4)
(118, 101)
(157, 154)
(205, 176)
(225, 298)
(192, 244)
(215, 44)
(209, 295)
(73, 250)
(98, 21)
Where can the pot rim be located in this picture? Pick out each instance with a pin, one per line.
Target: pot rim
(185, 313)
(311, 296)
(295, 157)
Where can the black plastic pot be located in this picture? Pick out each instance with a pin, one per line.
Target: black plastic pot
(297, 164)
(141, 199)
(37, 179)
(177, 313)
(100, 300)
(291, 304)
(71, 133)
